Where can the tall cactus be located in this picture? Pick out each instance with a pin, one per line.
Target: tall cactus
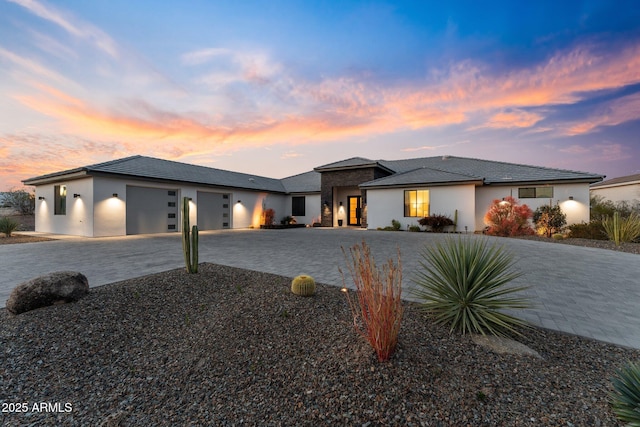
(189, 242)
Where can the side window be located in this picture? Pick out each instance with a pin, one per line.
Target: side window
(298, 206)
(416, 203)
(60, 199)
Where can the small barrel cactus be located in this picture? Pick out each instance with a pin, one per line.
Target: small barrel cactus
(303, 285)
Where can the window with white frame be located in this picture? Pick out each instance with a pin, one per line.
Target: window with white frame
(416, 203)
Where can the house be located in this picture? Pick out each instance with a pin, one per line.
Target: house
(140, 195)
(370, 193)
(624, 188)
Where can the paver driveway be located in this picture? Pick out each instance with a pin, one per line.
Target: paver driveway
(585, 291)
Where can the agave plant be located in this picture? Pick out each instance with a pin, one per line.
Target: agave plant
(463, 283)
(626, 397)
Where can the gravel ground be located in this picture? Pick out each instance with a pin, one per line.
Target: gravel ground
(230, 346)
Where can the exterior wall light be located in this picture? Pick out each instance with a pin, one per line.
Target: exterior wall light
(570, 197)
(115, 194)
(41, 198)
(76, 195)
(239, 201)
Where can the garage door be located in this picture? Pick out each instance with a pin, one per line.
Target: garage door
(213, 211)
(151, 210)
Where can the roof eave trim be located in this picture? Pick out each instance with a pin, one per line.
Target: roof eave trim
(56, 178)
(419, 184)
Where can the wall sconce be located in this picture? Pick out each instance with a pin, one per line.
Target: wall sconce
(41, 198)
(340, 203)
(76, 195)
(570, 197)
(189, 199)
(115, 194)
(239, 202)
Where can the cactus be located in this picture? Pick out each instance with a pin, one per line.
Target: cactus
(455, 221)
(303, 285)
(189, 242)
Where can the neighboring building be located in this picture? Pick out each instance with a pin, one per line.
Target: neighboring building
(625, 188)
(139, 195)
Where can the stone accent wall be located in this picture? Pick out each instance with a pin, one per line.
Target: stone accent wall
(345, 178)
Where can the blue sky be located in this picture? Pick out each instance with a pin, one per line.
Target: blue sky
(279, 87)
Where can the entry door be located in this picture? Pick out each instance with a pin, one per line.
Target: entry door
(354, 204)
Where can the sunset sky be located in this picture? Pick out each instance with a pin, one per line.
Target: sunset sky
(276, 88)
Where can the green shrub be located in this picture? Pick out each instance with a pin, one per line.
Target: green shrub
(557, 236)
(396, 225)
(625, 399)
(549, 219)
(621, 229)
(592, 230)
(462, 283)
(437, 223)
(414, 228)
(8, 226)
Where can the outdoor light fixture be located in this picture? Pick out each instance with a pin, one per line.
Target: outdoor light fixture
(41, 198)
(570, 197)
(115, 194)
(76, 195)
(239, 201)
(340, 203)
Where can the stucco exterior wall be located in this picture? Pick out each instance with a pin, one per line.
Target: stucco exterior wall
(383, 205)
(577, 210)
(312, 206)
(78, 219)
(619, 193)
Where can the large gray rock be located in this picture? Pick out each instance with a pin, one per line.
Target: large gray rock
(52, 288)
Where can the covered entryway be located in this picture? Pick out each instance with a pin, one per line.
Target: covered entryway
(213, 211)
(151, 210)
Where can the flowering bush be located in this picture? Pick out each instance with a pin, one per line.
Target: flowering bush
(508, 218)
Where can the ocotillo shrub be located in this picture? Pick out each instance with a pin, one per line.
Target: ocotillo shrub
(379, 313)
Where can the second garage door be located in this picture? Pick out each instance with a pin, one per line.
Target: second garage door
(213, 211)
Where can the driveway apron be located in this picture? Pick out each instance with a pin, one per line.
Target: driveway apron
(585, 291)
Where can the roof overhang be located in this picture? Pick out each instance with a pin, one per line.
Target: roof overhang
(54, 178)
(421, 185)
(352, 167)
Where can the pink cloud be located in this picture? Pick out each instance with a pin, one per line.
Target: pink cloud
(615, 112)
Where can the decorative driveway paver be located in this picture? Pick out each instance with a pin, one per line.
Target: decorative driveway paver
(585, 291)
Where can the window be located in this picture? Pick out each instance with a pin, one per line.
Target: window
(297, 206)
(60, 199)
(171, 193)
(416, 203)
(535, 193)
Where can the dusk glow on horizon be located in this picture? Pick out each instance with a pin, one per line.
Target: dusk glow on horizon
(277, 88)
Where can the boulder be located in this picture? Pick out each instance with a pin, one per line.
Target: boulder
(53, 288)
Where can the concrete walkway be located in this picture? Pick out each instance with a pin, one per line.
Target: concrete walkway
(590, 292)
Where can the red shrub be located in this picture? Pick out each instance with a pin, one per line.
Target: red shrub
(508, 218)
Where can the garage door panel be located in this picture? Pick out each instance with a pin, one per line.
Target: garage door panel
(151, 210)
(213, 211)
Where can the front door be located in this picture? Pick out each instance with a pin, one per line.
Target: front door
(354, 210)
